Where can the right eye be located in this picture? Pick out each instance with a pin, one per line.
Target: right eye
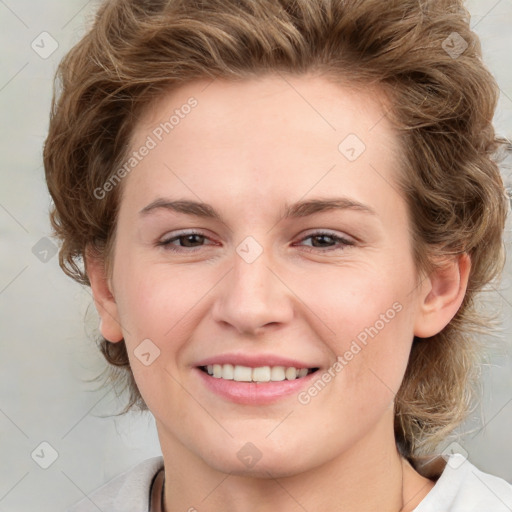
(187, 242)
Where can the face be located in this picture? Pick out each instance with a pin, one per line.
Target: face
(299, 269)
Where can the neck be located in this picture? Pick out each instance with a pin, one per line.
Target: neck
(369, 476)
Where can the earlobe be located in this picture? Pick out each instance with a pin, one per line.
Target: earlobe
(442, 296)
(104, 300)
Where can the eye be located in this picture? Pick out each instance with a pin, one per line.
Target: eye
(325, 241)
(189, 242)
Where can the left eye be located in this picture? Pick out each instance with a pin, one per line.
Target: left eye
(194, 240)
(324, 239)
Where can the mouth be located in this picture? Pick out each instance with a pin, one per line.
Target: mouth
(258, 375)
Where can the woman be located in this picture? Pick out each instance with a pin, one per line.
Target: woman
(285, 210)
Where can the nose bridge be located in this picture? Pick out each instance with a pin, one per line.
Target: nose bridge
(252, 296)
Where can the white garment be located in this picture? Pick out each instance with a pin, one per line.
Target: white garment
(460, 488)
(128, 492)
(464, 488)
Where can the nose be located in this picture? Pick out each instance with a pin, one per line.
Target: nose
(253, 296)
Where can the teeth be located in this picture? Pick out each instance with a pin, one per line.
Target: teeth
(242, 374)
(291, 373)
(277, 373)
(260, 374)
(228, 372)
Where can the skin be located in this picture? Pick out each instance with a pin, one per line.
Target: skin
(249, 148)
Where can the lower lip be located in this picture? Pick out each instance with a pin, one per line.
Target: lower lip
(253, 393)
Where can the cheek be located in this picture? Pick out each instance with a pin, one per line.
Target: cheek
(158, 299)
(156, 303)
(360, 303)
(371, 324)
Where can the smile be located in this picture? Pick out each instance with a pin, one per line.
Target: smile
(259, 374)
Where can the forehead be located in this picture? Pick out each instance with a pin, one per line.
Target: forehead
(254, 138)
(306, 104)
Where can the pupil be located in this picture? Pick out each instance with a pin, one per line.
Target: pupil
(190, 239)
(321, 237)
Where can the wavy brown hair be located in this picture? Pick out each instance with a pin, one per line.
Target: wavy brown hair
(442, 104)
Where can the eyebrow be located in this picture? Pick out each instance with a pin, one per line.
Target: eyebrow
(295, 210)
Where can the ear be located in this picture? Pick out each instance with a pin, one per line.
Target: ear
(104, 300)
(441, 295)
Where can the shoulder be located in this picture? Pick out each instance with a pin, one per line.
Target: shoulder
(128, 492)
(464, 488)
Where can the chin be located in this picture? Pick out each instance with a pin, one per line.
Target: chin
(267, 461)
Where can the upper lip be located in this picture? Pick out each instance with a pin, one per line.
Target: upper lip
(255, 361)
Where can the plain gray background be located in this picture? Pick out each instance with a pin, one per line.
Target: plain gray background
(46, 319)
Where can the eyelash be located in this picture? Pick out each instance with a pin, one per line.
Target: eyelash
(343, 241)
